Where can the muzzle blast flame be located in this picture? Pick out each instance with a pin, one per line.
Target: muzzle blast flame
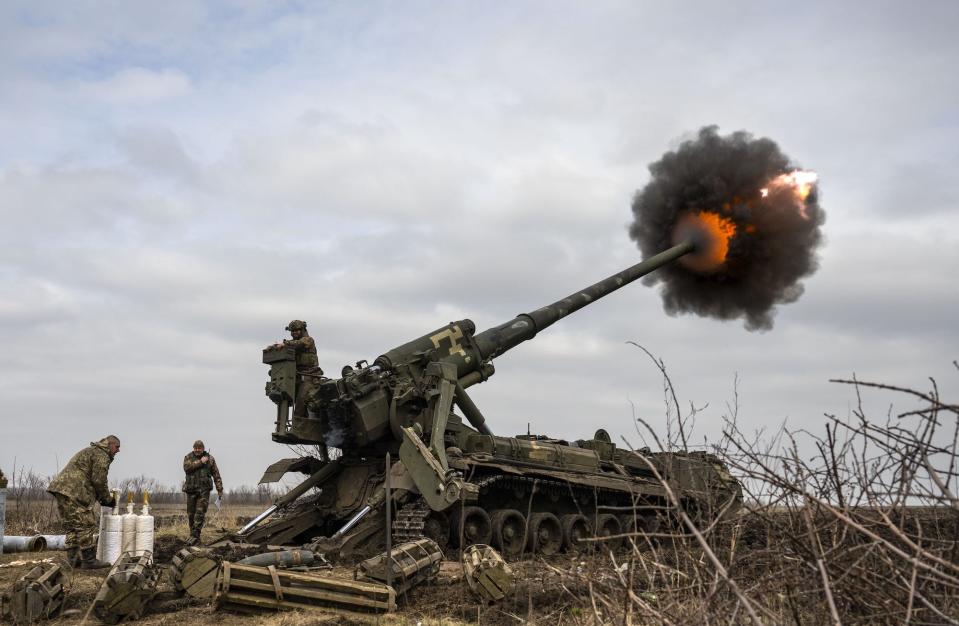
(753, 215)
(711, 233)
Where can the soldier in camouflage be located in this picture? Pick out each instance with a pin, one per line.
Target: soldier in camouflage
(307, 365)
(308, 370)
(201, 475)
(82, 483)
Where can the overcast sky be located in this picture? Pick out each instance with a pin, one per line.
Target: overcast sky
(179, 180)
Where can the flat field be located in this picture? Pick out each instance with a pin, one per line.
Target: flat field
(650, 580)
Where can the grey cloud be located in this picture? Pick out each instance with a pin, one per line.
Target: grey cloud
(28, 303)
(924, 186)
(137, 86)
(309, 174)
(70, 205)
(157, 151)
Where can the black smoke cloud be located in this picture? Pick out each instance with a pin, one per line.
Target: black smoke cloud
(775, 245)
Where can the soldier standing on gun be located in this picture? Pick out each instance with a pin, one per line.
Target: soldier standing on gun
(201, 474)
(307, 368)
(307, 365)
(81, 483)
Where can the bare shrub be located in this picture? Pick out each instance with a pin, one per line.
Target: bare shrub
(857, 526)
(245, 494)
(29, 506)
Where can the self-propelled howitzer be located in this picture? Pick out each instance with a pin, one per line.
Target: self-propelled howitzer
(455, 482)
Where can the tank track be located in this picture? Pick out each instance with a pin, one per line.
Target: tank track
(410, 522)
(411, 519)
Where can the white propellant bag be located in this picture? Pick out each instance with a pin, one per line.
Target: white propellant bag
(113, 536)
(144, 528)
(128, 537)
(102, 537)
(108, 544)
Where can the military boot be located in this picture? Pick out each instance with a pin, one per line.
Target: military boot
(73, 556)
(89, 559)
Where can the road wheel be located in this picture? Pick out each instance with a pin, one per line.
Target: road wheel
(435, 528)
(639, 523)
(575, 529)
(606, 526)
(509, 532)
(629, 522)
(476, 526)
(545, 535)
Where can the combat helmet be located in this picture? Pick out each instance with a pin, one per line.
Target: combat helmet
(296, 325)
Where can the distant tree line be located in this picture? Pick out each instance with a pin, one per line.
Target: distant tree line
(25, 484)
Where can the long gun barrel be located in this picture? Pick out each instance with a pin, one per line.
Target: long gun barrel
(471, 353)
(499, 339)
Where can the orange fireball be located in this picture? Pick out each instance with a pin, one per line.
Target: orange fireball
(713, 232)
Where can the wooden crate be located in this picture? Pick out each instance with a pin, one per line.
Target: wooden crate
(194, 571)
(38, 594)
(487, 574)
(248, 587)
(408, 565)
(127, 589)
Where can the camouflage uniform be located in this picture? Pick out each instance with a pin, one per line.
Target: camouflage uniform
(306, 363)
(81, 483)
(200, 479)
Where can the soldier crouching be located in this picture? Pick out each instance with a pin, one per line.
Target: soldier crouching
(201, 475)
(82, 483)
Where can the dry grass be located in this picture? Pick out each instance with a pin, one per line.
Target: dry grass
(38, 515)
(860, 526)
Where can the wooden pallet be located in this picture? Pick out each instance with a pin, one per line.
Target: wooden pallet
(248, 587)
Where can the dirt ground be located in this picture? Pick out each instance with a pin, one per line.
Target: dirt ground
(672, 578)
(447, 600)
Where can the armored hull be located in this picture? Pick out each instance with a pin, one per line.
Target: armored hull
(540, 495)
(530, 494)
